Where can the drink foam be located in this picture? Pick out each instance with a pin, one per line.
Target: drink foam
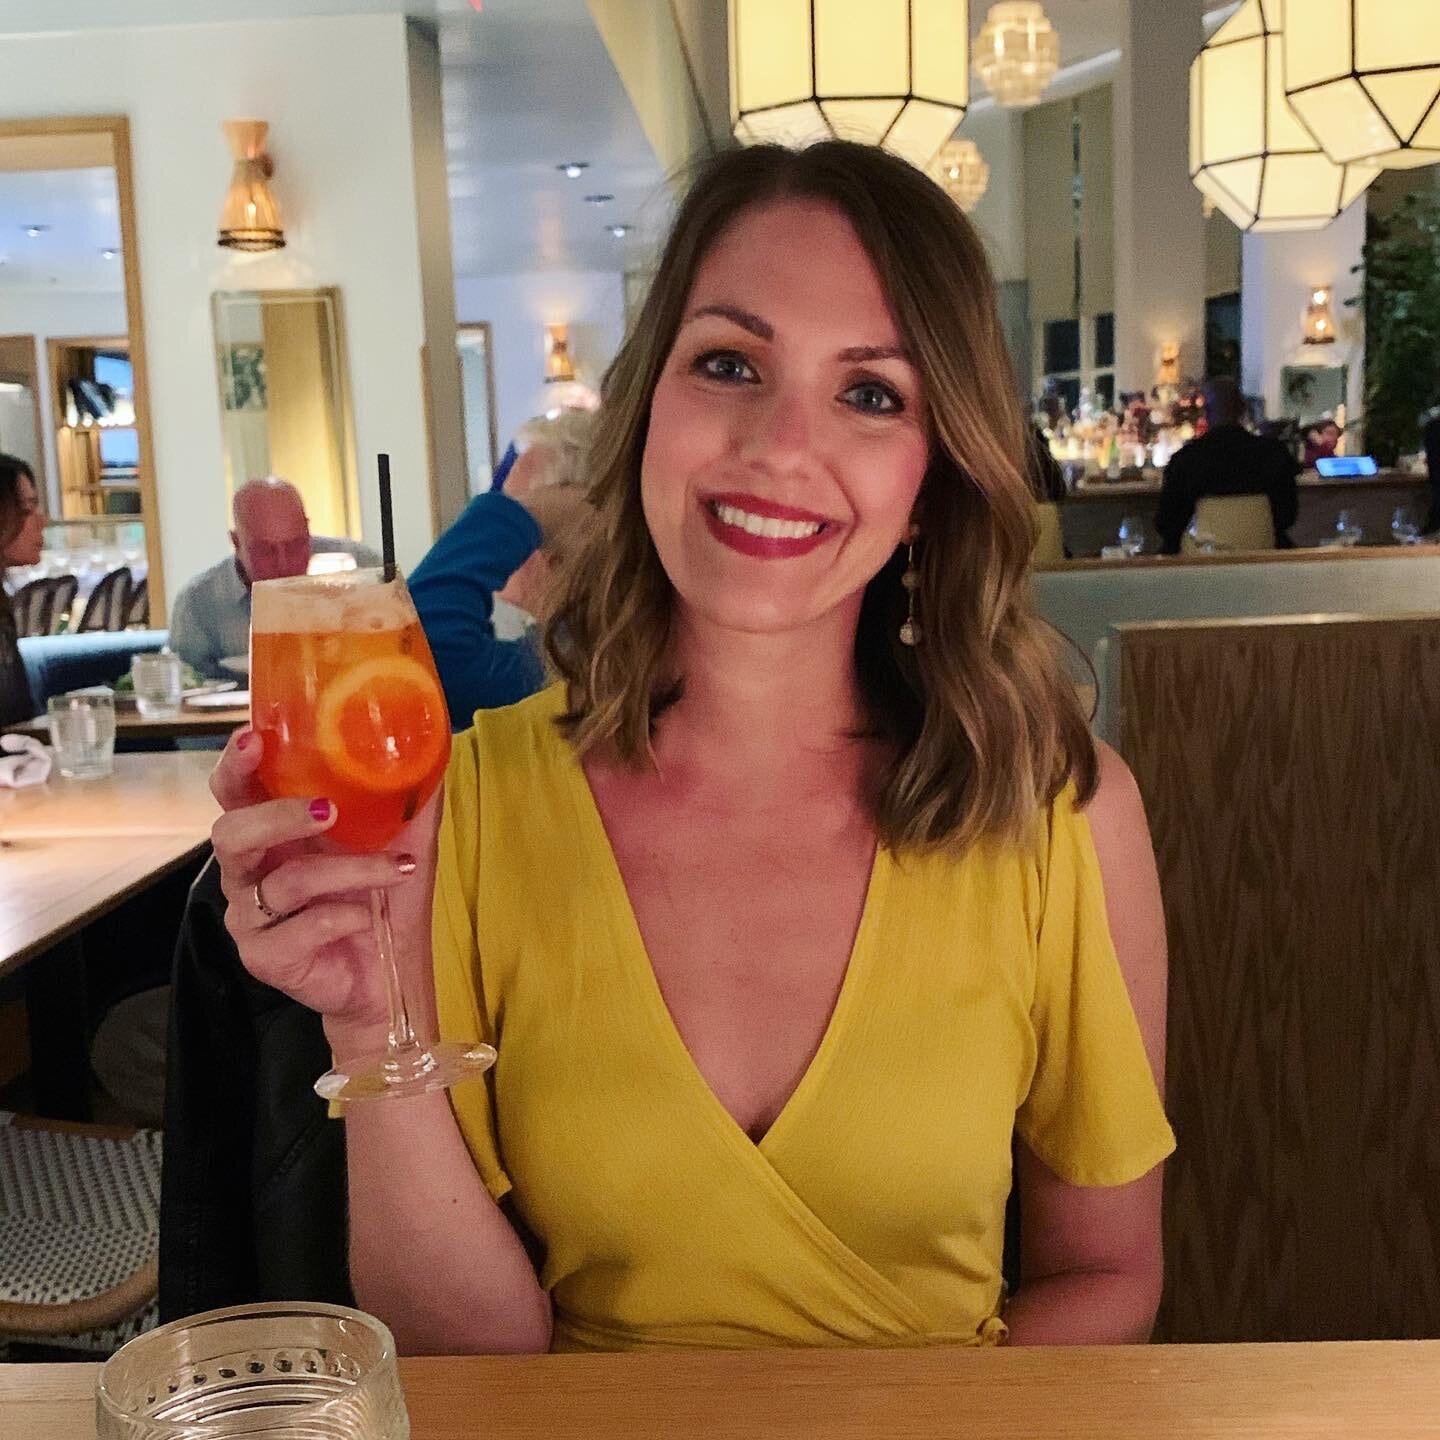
(352, 601)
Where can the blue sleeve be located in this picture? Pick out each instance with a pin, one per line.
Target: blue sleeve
(454, 588)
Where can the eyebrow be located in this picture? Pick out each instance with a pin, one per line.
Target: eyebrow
(745, 319)
(763, 330)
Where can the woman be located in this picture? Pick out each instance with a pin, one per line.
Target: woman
(788, 931)
(22, 530)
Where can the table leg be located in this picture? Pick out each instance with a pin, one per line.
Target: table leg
(58, 1015)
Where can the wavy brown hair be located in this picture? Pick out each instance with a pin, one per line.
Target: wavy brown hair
(983, 728)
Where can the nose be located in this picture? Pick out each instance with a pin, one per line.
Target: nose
(781, 434)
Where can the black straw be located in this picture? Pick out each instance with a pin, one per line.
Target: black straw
(387, 520)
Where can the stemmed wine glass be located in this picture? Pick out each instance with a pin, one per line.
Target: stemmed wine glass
(345, 696)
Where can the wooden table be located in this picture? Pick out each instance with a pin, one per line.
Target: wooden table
(131, 725)
(70, 852)
(50, 889)
(164, 794)
(1276, 1392)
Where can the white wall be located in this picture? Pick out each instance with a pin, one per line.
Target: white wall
(518, 307)
(1159, 229)
(337, 95)
(47, 314)
(1000, 214)
(1279, 272)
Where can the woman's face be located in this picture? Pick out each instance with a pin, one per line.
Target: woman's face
(24, 548)
(788, 434)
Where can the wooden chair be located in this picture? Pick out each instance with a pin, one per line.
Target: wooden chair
(106, 608)
(137, 606)
(1234, 522)
(1050, 540)
(81, 1266)
(39, 605)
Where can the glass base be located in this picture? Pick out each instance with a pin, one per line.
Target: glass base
(414, 1070)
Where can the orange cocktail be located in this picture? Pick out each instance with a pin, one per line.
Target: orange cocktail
(345, 696)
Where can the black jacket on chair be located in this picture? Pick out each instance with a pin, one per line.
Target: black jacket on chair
(252, 1195)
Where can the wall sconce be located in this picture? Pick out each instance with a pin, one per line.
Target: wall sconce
(250, 218)
(1169, 371)
(1319, 318)
(558, 365)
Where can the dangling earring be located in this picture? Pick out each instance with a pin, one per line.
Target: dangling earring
(910, 631)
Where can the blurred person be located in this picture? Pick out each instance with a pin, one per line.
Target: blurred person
(806, 883)
(1321, 442)
(210, 619)
(22, 529)
(501, 547)
(1227, 460)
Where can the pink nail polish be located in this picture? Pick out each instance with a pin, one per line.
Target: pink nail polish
(242, 739)
(320, 810)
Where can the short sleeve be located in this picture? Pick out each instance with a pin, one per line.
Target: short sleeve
(459, 988)
(1093, 1113)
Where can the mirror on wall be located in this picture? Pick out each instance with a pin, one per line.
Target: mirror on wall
(22, 427)
(73, 398)
(285, 398)
(477, 388)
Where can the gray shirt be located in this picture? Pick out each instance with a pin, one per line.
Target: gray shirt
(210, 619)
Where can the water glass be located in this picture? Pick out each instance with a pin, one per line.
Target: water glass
(82, 730)
(1404, 528)
(285, 1370)
(1347, 530)
(1131, 536)
(157, 684)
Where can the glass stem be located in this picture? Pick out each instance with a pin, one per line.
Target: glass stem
(402, 1037)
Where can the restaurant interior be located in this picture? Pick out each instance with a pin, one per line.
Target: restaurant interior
(241, 241)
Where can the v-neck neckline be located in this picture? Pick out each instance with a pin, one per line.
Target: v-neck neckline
(636, 955)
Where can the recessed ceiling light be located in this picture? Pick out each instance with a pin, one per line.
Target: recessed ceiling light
(574, 168)
(35, 231)
(107, 254)
(598, 199)
(619, 231)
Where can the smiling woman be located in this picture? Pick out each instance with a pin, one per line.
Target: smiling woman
(801, 946)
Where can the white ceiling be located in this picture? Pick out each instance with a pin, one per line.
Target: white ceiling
(82, 210)
(528, 86)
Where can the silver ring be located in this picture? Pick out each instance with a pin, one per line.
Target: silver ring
(271, 917)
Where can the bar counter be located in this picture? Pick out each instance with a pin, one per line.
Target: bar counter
(1091, 514)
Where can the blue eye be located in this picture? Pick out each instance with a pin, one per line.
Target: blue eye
(872, 398)
(725, 366)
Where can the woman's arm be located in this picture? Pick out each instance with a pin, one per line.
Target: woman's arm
(1092, 1259)
(430, 1251)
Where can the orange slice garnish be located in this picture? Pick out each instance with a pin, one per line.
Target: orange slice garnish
(382, 724)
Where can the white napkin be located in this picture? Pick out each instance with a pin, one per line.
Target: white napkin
(23, 762)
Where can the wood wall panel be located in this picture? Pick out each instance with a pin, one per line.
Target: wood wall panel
(1291, 771)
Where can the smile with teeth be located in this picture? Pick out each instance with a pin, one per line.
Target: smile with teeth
(764, 526)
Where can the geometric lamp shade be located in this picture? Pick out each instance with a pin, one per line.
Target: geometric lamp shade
(1364, 78)
(886, 72)
(1248, 152)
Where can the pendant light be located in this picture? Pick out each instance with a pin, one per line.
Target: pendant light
(886, 72)
(962, 172)
(1364, 77)
(1248, 151)
(1018, 52)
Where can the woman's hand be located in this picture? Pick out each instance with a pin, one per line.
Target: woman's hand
(298, 905)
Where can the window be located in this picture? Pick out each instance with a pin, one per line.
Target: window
(1062, 347)
(1105, 341)
(1222, 336)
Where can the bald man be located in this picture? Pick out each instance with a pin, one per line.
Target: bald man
(210, 620)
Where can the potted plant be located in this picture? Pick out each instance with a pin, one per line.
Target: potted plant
(1400, 293)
